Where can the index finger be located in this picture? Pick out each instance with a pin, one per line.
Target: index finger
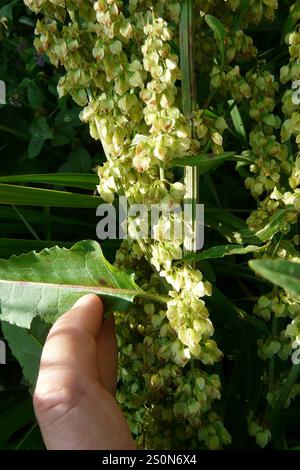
(71, 343)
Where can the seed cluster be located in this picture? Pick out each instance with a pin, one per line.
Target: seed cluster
(274, 180)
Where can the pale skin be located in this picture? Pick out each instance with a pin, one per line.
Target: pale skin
(74, 399)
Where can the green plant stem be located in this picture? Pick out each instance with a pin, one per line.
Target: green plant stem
(162, 173)
(188, 88)
(155, 297)
(27, 225)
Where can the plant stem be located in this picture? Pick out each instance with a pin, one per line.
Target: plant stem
(161, 173)
(27, 224)
(188, 87)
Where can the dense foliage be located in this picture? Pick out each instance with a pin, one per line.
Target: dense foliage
(208, 362)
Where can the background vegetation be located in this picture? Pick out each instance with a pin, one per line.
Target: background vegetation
(41, 135)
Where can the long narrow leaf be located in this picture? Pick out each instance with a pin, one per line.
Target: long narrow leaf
(207, 162)
(21, 195)
(74, 180)
(219, 33)
(223, 250)
(238, 122)
(234, 229)
(26, 348)
(40, 218)
(16, 418)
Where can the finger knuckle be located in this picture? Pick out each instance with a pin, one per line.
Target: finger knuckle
(54, 399)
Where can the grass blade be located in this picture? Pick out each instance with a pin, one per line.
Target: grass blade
(74, 180)
(21, 195)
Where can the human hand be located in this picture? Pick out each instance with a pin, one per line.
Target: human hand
(74, 397)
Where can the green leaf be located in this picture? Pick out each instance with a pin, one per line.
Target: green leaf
(74, 180)
(79, 161)
(35, 146)
(219, 33)
(229, 225)
(60, 139)
(16, 418)
(11, 397)
(40, 129)
(26, 348)
(223, 250)
(207, 162)
(235, 314)
(27, 21)
(27, 345)
(7, 10)
(21, 195)
(282, 273)
(237, 122)
(277, 223)
(47, 284)
(234, 229)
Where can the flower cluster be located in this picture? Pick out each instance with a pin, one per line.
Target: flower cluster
(156, 386)
(277, 303)
(274, 173)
